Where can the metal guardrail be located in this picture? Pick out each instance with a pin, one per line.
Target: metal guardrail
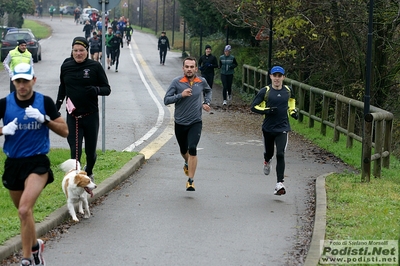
(339, 113)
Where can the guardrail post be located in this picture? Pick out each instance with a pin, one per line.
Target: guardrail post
(366, 148)
(387, 142)
(378, 147)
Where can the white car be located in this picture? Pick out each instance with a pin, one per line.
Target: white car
(85, 14)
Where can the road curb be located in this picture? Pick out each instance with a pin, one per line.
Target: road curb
(14, 244)
(313, 254)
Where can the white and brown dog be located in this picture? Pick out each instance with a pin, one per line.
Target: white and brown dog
(76, 184)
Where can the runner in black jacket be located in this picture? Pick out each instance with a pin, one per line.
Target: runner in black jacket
(163, 45)
(116, 42)
(81, 81)
(207, 63)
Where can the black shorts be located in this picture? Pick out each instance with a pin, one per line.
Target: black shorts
(16, 171)
(93, 51)
(108, 51)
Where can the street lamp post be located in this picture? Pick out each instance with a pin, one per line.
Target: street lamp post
(173, 25)
(270, 42)
(157, 17)
(163, 17)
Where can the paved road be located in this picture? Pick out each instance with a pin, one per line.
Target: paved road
(232, 218)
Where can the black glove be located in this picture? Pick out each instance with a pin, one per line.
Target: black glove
(270, 110)
(208, 65)
(92, 91)
(294, 114)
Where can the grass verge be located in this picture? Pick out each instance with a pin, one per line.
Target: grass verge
(52, 196)
(357, 210)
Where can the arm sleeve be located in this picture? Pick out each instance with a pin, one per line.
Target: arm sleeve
(6, 63)
(258, 105)
(61, 92)
(292, 101)
(50, 108)
(215, 62)
(208, 93)
(2, 107)
(104, 86)
(234, 63)
(171, 96)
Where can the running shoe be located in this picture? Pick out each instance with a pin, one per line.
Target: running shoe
(190, 185)
(267, 167)
(186, 169)
(38, 254)
(224, 102)
(25, 262)
(108, 67)
(230, 97)
(279, 189)
(116, 70)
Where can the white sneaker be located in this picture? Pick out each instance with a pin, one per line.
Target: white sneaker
(38, 255)
(279, 189)
(224, 102)
(267, 167)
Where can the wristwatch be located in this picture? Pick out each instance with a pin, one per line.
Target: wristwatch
(47, 119)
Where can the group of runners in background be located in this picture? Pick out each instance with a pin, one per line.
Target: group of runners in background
(117, 31)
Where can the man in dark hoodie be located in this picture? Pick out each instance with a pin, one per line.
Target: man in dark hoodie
(82, 80)
(163, 45)
(207, 63)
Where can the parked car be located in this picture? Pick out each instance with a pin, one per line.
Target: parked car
(67, 10)
(85, 14)
(9, 42)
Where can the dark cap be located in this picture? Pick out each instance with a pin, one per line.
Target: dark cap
(81, 41)
(21, 41)
(207, 46)
(163, 32)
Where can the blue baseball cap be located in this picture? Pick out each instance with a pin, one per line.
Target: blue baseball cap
(277, 69)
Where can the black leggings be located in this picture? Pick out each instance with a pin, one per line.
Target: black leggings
(188, 137)
(163, 54)
(209, 78)
(227, 84)
(115, 57)
(278, 139)
(88, 128)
